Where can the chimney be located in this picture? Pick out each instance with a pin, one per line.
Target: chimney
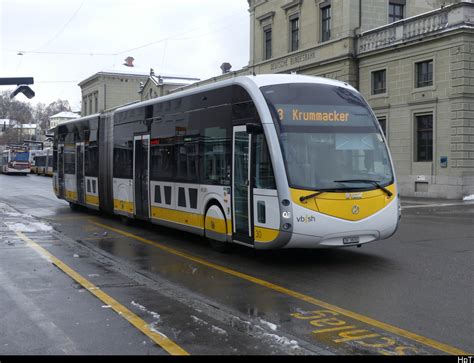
(226, 67)
(129, 62)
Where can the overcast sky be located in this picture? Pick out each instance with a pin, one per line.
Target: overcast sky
(65, 41)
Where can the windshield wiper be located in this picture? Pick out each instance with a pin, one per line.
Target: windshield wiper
(373, 182)
(305, 198)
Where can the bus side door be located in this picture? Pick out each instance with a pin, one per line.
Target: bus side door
(242, 198)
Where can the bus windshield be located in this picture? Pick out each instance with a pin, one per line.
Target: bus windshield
(329, 138)
(20, 156)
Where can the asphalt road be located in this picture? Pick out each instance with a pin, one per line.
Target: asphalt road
(411, 294)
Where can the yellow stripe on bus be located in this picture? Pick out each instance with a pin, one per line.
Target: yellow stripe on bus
(92, 200)
(265, 235)
(177, 216)
(123, 206)
(216, 225)
(71, 195)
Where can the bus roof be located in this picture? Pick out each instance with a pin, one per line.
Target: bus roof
(251, 81)
(255, 81)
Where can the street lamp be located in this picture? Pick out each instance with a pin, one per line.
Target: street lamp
(22, 83)
(23, 88)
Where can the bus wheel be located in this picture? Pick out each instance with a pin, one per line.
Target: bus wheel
(74, 207)
(215, 229)
(125, 220)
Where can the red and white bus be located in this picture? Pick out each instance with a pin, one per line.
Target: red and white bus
(15, 161)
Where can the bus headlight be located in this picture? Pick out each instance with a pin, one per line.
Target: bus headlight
(399, 208)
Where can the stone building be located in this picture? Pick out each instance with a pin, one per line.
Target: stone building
(111, 88)
(60, 117)
(157, 86)
(412, 60)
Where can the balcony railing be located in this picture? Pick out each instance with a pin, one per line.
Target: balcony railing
(403, 31)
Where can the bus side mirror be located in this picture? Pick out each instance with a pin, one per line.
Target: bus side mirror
(254, 129)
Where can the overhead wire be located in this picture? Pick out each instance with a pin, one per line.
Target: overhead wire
(62, 29)
(171, 37)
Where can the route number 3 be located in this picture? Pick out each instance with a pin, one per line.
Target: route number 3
(281, 114)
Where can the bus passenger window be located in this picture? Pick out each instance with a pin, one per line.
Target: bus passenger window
(215, 150)
(162, 159)
(123, 160)
(187, 157)
(264, 178)
(69, 161)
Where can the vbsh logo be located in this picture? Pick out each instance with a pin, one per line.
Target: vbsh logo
(306, 219)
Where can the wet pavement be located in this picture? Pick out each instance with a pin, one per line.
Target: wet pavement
(411, 294)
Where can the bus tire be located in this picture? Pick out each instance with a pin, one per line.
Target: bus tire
(215, 228)
(126, 221)
(74, 207)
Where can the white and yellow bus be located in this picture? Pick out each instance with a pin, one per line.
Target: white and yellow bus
(270, 161)
(44, 162)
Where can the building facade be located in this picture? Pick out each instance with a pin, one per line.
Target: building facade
(412, 60)
(26, 132)
(158, 85)
(58, 118)
(111, 88)
(116, 87)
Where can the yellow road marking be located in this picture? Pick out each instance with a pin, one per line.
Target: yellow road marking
(378, 324)
(133, 319)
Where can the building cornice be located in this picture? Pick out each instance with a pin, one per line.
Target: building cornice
(431, 24)
(266, 16)
(292, 5)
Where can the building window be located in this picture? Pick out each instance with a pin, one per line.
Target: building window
(268, 42)
(424, 73)
(424, 138)
(379, 82)
(294, 34)
(383, 124)
(326, 23)
(395, 11)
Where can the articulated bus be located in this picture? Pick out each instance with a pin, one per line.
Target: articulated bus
(44, 162)
(270, 161)
(33, 154)
(15, 160)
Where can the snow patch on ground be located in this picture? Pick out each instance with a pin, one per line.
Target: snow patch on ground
(153, 328)
(270, 325)
(292, 344)
(469, 197)
(214, 328)
(156, 316)
(28, 227)
(28, 223)
(217, 330)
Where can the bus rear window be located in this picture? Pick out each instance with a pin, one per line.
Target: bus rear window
(22, 156)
